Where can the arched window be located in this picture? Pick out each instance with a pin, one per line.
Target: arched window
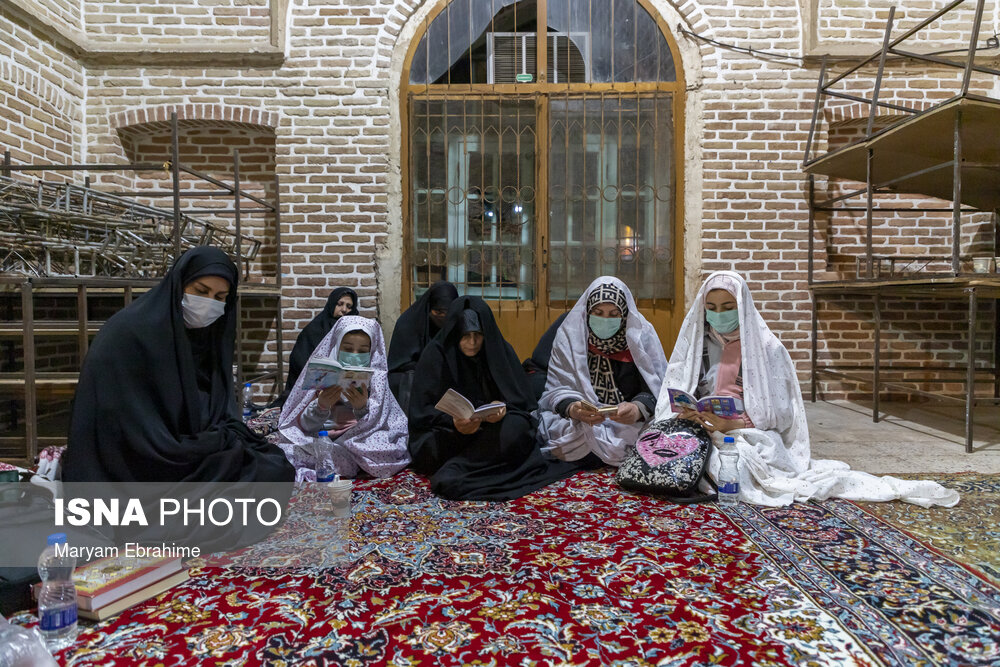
(537, 159)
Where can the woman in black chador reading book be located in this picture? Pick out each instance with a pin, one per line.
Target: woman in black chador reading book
(342, 301)
(414, 328)
(155, 401)
(495, 458)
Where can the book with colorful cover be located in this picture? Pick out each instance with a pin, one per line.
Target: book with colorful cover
(724, 406)
(138, 597)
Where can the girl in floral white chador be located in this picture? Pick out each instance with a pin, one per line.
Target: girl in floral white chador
(725, 348)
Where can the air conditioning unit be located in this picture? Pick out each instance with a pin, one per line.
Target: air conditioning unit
(511, 54)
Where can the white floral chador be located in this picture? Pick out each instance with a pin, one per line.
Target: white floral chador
(775, 464)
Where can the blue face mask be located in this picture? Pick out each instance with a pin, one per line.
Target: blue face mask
(354, 358)
(724, 322)
(604, 327)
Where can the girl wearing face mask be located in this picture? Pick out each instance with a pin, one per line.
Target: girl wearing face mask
(605, 354)
(366, 425)
(725, 347)
(722, 368)
(155, 400)
(471, 459)
(342, 301)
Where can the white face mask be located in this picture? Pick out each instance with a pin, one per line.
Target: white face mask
(200, 311)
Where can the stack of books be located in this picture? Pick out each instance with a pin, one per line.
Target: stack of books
(109, 586)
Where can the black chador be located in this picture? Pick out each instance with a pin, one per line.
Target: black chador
(155, 401)
(499, 461)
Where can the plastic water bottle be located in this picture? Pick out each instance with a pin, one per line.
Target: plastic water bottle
(247, 402)
(729, 472)
(322, 446)
(21, 647)
(57, 599)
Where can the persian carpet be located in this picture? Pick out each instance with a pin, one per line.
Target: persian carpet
(969, 532)
(578, 573)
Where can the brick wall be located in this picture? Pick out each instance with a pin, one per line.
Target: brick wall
(41, 98)
(336, 151)
(176, 21)
(864, 20)
(66, 15)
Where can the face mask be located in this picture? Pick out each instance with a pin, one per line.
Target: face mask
(725, 321)
(354, 358)
(604, 327)
(200, 311)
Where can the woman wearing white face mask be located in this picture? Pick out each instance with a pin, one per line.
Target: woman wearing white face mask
(725, 348)
(155, 400)
(604, 354)
(366, 425)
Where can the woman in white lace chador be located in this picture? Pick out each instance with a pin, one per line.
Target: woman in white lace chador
(605, 352)
(738, 354)
(368, 429)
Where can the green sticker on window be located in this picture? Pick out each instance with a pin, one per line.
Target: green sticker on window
(524, 78)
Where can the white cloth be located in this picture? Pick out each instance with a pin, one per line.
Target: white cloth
(775, 464)
(377, 443)
(569, 377)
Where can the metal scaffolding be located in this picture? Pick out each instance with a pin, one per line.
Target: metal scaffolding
(75, 241)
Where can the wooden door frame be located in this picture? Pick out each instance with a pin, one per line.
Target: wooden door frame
(542, 91)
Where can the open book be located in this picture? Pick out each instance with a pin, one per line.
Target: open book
(323, 373)
(724, 406)
(459, 407)
(606, 410)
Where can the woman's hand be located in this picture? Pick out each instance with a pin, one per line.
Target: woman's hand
(711, 421)
(581, 414)
(329, 396)
(357, 396)
(628, 413)
(714, 422)
(467, 426)
(493, 419)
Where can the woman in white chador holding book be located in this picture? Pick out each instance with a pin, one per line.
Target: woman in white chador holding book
(605, 352)
(725, 347)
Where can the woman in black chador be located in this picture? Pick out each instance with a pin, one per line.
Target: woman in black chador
(342, 301)
(492, 459)
(414, 328)
(155, 401)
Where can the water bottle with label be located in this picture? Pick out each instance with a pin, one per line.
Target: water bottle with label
(729, 472)
(322, 447)
(57, 598)
(247, 402)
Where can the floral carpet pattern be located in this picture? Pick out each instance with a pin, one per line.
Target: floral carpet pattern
(579, 573)
(971, 534)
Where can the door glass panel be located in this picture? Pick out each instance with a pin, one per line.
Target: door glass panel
(611, 196)
(472, 197)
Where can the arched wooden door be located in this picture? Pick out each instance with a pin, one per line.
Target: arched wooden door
(538, 159)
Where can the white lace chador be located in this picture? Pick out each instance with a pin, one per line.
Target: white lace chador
(376, 443)
(775, 464)
(569, 376)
